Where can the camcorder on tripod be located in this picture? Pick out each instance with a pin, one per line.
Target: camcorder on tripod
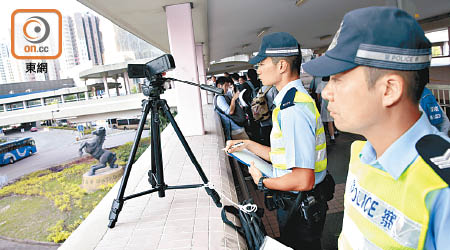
(153, 88)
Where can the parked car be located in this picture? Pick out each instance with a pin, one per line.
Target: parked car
(33, 129)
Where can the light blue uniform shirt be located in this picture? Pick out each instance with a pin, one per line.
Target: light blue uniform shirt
(225, 107)
(438, 202)
(298, 126)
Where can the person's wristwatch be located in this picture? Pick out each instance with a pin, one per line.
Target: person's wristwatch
(261, 184)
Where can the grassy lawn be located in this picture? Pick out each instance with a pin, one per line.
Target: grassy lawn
(47, 205)
(27, 217)
(86, 130)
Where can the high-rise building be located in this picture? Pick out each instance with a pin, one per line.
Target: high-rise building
(127, 42)
(3, 68)
(69, 57)
(87, 27)
(80, 38)
(9, 70)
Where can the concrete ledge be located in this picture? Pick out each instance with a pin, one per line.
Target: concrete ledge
(184, 218)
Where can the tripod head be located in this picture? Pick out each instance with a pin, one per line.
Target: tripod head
(154, 71)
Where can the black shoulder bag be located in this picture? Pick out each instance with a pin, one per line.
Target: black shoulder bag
(252, 228)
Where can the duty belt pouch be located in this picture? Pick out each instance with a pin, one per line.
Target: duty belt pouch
(273, 200)
(252, 228)
(326, 188)
(310, 209)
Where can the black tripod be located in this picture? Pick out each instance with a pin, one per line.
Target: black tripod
(156, 176)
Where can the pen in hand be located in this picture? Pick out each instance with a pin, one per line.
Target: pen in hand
(235, 145)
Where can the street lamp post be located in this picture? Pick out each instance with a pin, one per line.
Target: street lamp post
(53, 118)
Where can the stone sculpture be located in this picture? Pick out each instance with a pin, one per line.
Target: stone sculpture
(95, 148)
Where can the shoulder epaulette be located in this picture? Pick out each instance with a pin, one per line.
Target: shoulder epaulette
(435, 151)
(288, 99)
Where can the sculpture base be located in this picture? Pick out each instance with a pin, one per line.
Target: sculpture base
(102, 176)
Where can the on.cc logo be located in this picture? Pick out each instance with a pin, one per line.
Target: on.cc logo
(36, 34)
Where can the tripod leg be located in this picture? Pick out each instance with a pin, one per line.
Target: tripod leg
(118, 202)
(152, 171)
(211, 192)
(157, 171)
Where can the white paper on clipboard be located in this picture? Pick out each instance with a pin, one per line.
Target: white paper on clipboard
(245, 157)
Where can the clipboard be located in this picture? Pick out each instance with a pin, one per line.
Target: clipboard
(245, 157)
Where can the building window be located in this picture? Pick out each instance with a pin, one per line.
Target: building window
(34, 103)
(81, 96)
(14, 106)
(440, 42)
(70, 98)
(52, 100)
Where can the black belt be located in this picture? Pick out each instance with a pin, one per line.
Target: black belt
(285, 199)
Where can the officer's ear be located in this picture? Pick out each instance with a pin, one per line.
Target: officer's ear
(392, 87)
(283, 66)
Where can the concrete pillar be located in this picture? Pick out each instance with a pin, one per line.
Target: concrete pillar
(94, 92)
(448, 52)
(42, 101)
(115, 77)
(4, 107)
(62, 98)
(124, 84)
(138, 87)
(24, 104)
(126, 79)
(201, 71)
(182, 47)
(105, 83)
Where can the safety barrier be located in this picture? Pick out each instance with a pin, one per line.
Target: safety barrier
(442, 94)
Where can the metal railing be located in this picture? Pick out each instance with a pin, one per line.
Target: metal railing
(442, 94)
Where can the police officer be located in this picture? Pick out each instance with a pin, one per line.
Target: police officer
(397, 194)
(298, 147)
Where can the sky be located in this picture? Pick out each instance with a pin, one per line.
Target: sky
(66, 7)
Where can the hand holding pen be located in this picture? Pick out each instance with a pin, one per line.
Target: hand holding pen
(234, 145)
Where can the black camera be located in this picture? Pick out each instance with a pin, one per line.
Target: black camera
(152, 69)
(153, 72)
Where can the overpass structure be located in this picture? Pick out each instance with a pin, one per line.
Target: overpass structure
(35, 107)
(79, 104)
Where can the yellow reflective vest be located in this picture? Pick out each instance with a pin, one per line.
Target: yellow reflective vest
(278, 152)
(384, 213)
